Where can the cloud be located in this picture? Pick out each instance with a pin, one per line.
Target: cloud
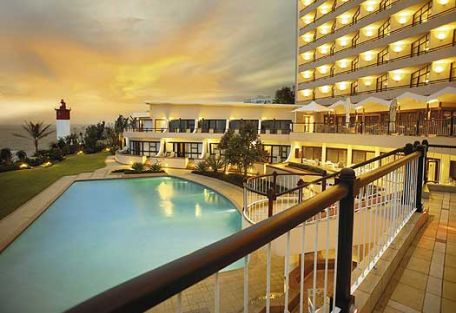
(108, 57)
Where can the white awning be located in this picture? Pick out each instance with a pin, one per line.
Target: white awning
(313, 107)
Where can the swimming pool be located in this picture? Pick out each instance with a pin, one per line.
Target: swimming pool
(101, 233)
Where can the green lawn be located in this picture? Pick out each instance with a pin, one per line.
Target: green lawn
(16, 187)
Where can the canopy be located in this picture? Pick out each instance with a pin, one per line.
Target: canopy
(313, 107)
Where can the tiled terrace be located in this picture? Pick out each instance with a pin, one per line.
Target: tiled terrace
(426, 278)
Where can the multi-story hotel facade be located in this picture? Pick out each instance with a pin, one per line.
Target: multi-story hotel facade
(371, 76)
(374, 48)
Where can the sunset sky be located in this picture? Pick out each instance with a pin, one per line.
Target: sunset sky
(108, 57)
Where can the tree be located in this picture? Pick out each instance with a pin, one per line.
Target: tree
(243, 149)
(93, 134)
(120, 125)
(6, 156)
(285, 95)
(35, 131)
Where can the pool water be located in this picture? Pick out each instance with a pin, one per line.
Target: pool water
(101, 233)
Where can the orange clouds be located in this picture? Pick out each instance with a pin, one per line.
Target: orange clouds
(213, 54)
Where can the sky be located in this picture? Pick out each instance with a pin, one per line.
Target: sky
(108, 57)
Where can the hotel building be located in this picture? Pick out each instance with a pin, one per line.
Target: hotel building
(374, 48)
(382, 69)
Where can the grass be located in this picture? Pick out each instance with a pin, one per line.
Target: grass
(17, 187)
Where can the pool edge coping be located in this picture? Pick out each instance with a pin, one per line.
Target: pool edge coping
(27, 220)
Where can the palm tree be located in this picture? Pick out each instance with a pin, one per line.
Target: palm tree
(35, 131)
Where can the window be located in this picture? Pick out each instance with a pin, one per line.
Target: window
(276, 153)
(215, 151)
(181, 126)
(276, 126)
(238, 124)
(147, 148)
(359, 156)
(311, 153)
(217, 126)
(337, 156)
(190, 150)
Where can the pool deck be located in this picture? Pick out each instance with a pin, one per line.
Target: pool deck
(15, 223)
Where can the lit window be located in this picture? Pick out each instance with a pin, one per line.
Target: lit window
(308, 37)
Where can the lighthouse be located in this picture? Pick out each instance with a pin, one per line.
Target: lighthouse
(62, 121)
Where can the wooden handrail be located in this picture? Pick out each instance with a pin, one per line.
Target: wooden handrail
(153, 287)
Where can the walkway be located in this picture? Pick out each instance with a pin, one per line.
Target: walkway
(426, 279)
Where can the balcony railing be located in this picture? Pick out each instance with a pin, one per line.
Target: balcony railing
(352, 223)
(434, 127)
(404, 28)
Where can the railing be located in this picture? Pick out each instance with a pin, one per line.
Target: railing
(434, 127)
(360, 214)
(267, 195)
(402, 29)
(146, 130)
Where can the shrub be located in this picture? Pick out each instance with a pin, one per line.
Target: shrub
(156, 167)
(21, 155)
(201, 166)
(34, 161)
(235, 179)
(6, 156)
(137, 167)
(215, 163)
(8, 167)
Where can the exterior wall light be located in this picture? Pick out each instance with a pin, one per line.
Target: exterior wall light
(306, 56)
(306, 92)
(342, 86)
(343, 41)
(307, 19)
(307, 2)
(439, 68)
(324, 9)
(368, 56)
(367, 82)
(323, 69)
(443, 2)
(307, 37)
(397, 47)
(343, 63)
(324, 29)
(403, 19)
(441, 35)
(369, 32)
(306, 74)
(397, 76)
(324, 89)
(324, 49)
(344, 19)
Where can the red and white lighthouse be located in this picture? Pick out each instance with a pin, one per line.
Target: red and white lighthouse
(62, 120)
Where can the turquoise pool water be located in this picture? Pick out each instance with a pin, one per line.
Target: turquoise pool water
(101, 233)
